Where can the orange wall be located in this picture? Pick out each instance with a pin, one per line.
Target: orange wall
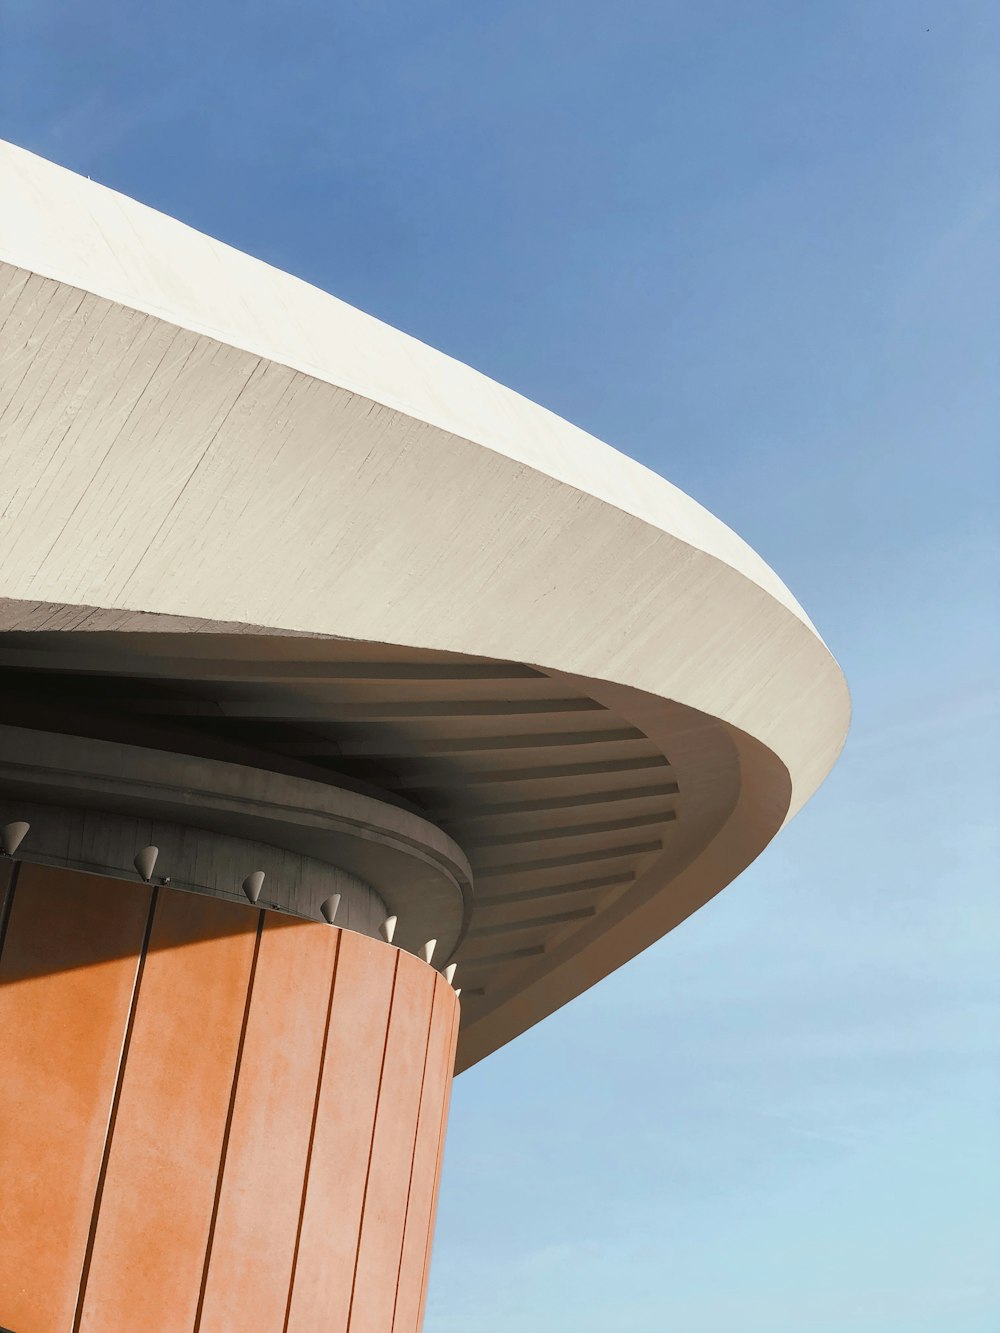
(212, 1116)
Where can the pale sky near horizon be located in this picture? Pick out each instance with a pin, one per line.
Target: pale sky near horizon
(755, 245)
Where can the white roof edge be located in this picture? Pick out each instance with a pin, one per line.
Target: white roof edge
(73, 230)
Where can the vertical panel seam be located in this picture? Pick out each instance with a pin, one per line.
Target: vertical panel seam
(229, 1121)
(439, 1163)
(312, 1131)
(113, 1114)
(8, 903)
(371, 1147)
(413, 1154)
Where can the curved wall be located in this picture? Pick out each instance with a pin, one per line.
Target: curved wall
(213, 1116)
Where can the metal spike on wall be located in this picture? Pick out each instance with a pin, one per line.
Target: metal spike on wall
(253, 884)
(145, 861)
(12, 835)
(388, 929)
(449, 973)
(458, 991)
(428, 950)
(329, 908)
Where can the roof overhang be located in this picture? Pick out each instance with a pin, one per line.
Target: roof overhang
(208, 462)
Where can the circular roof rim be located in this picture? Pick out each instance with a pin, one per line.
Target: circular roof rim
(112, 771)
(618, 480)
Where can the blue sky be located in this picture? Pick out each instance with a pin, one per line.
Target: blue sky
(754, 245)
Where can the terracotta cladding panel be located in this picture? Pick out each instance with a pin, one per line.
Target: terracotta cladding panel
(253, 1242)
(425, 1173)
(66, 977)
(380, 1242)
(342, 1140)
(156, 1207)
(439, 1154)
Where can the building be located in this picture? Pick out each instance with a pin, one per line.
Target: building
(338, 682)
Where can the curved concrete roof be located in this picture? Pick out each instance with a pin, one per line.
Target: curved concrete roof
(196, 444)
